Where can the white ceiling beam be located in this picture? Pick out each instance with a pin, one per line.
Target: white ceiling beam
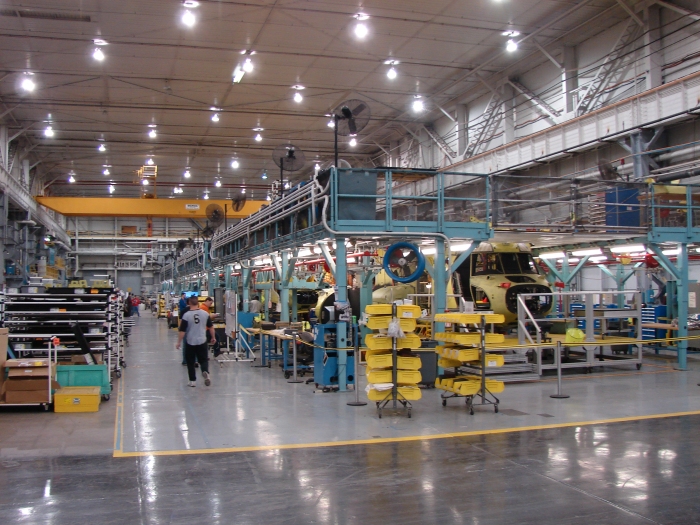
(679, 9)
(629, 11)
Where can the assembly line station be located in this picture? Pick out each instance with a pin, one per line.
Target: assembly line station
(450, 253)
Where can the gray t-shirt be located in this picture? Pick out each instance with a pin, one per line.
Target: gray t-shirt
(195, 323)
(255, 306)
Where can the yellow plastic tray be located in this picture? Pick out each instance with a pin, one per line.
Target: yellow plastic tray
(379, 361)
(445, 362)
(77, 399)
(402, 376)
(459, 354)
(410, 393)
(468, 385)
(382, 322)
(469, 318)
(378, 309)
(468, 339)
(408, 311)
(382, 342)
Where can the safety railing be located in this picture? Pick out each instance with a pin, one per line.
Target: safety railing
(675, 212)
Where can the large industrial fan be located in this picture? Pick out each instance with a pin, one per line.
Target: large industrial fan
(288, 158)
(349, 118)
(404, 262)
(215, 218)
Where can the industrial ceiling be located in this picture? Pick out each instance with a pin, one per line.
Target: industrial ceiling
(121, 82)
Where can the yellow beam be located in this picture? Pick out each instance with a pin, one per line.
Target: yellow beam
(120, 207)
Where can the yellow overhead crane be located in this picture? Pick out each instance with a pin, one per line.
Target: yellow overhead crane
(123, 207)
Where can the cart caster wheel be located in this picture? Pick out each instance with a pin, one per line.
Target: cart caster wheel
(118, 373)
(287, 375)
(409, 414)
(123, 364)
(444, 402)
(269, 365)
(111, 387)
(105, 397)
(471, 411)
(639, 366)
(316, 385)
(326, 390)
(379, 415)
(495, 409)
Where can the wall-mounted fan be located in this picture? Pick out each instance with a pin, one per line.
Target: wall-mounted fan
(350, 118)
(215, 218)
(238, 202)
(288, 158)
(606, 170)
(404, 262)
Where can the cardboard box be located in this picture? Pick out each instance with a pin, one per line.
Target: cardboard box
(22, 384)
(24, 363)
(40, 371)
(20, 397)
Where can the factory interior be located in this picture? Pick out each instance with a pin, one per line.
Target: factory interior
(289, 261)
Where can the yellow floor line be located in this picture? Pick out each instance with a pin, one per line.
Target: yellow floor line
(375, 441)
(119, 419)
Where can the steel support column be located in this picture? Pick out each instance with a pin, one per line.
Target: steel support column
(439, 283)
(341, 296)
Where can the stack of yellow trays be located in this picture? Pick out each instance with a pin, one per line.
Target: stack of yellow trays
(380, 365)
(472, 338)
(455, 356)
(468, 385)
(460, 318)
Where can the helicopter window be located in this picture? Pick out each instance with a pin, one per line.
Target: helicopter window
(518, 263)
(487, 264)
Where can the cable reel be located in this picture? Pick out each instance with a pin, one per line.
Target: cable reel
(404, 262)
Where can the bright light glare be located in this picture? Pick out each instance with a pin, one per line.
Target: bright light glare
(48, 132)
(268, 198)
(150, 162)
(391, 74)
(71, 179)
(235, 164)
(331, 123)
(188, 18)
(353, 143)
(152, 134)
(206, 196)
(258, 137)
(674, 251)
(587, 252)
(298, 98)
(248, 65)
(111, 188)
(361, 31)
(215, 117)
(105, 172)
(218, 184)
(628, 248)
(28, 84)
(418, 105)
(187, 174)
(98, 54)
(238, 74)
(144, 182)
(102, 148)
(511, 46)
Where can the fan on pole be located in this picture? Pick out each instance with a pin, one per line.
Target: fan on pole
(288, 158)
(349, 118)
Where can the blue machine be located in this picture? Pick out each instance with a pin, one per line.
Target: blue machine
(326, 368)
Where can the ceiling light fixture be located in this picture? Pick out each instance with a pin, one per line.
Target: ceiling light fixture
(361, 16)
(187, 173)
(418, 105)
(71, 179)
(217, 184)
(105, 172)
(235, 164)
(551, 255)
(258, 129)
(144, 182)
(511, 46)
(298, 98)
(98, 54)
(317, 167)
(111, 188)
(102, 148)
(361, 31)
(587, 252)
(188, 18)
(258, 137)
(28, 84)
(206, 196)
(392, 74)
(511, 33)
(48, 132)
(153, 134)
(353, 142)
(190, 4)
(238, 74)
(215, 117)
(242, 190)
(268, 198)
(331, 123)
(150, 162)
(264, 175)
(248, 65)
(100, 42)
(628, 248)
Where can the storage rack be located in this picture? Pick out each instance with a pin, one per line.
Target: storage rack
(402, 372)
(34, 319)
(466, 353)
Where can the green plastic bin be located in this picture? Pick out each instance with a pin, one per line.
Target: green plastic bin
(84, 375)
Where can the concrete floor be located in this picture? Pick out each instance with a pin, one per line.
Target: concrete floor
(254, 449)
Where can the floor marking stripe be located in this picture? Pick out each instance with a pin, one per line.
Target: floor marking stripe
(374, 441)
(119, 420)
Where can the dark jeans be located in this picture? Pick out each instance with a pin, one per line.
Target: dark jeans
(200, 353)
(135, 310)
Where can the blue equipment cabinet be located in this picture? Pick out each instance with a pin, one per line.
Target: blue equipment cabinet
(326, 371)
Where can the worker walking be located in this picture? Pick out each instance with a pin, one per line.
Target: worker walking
(255, 306)
(193, 327)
